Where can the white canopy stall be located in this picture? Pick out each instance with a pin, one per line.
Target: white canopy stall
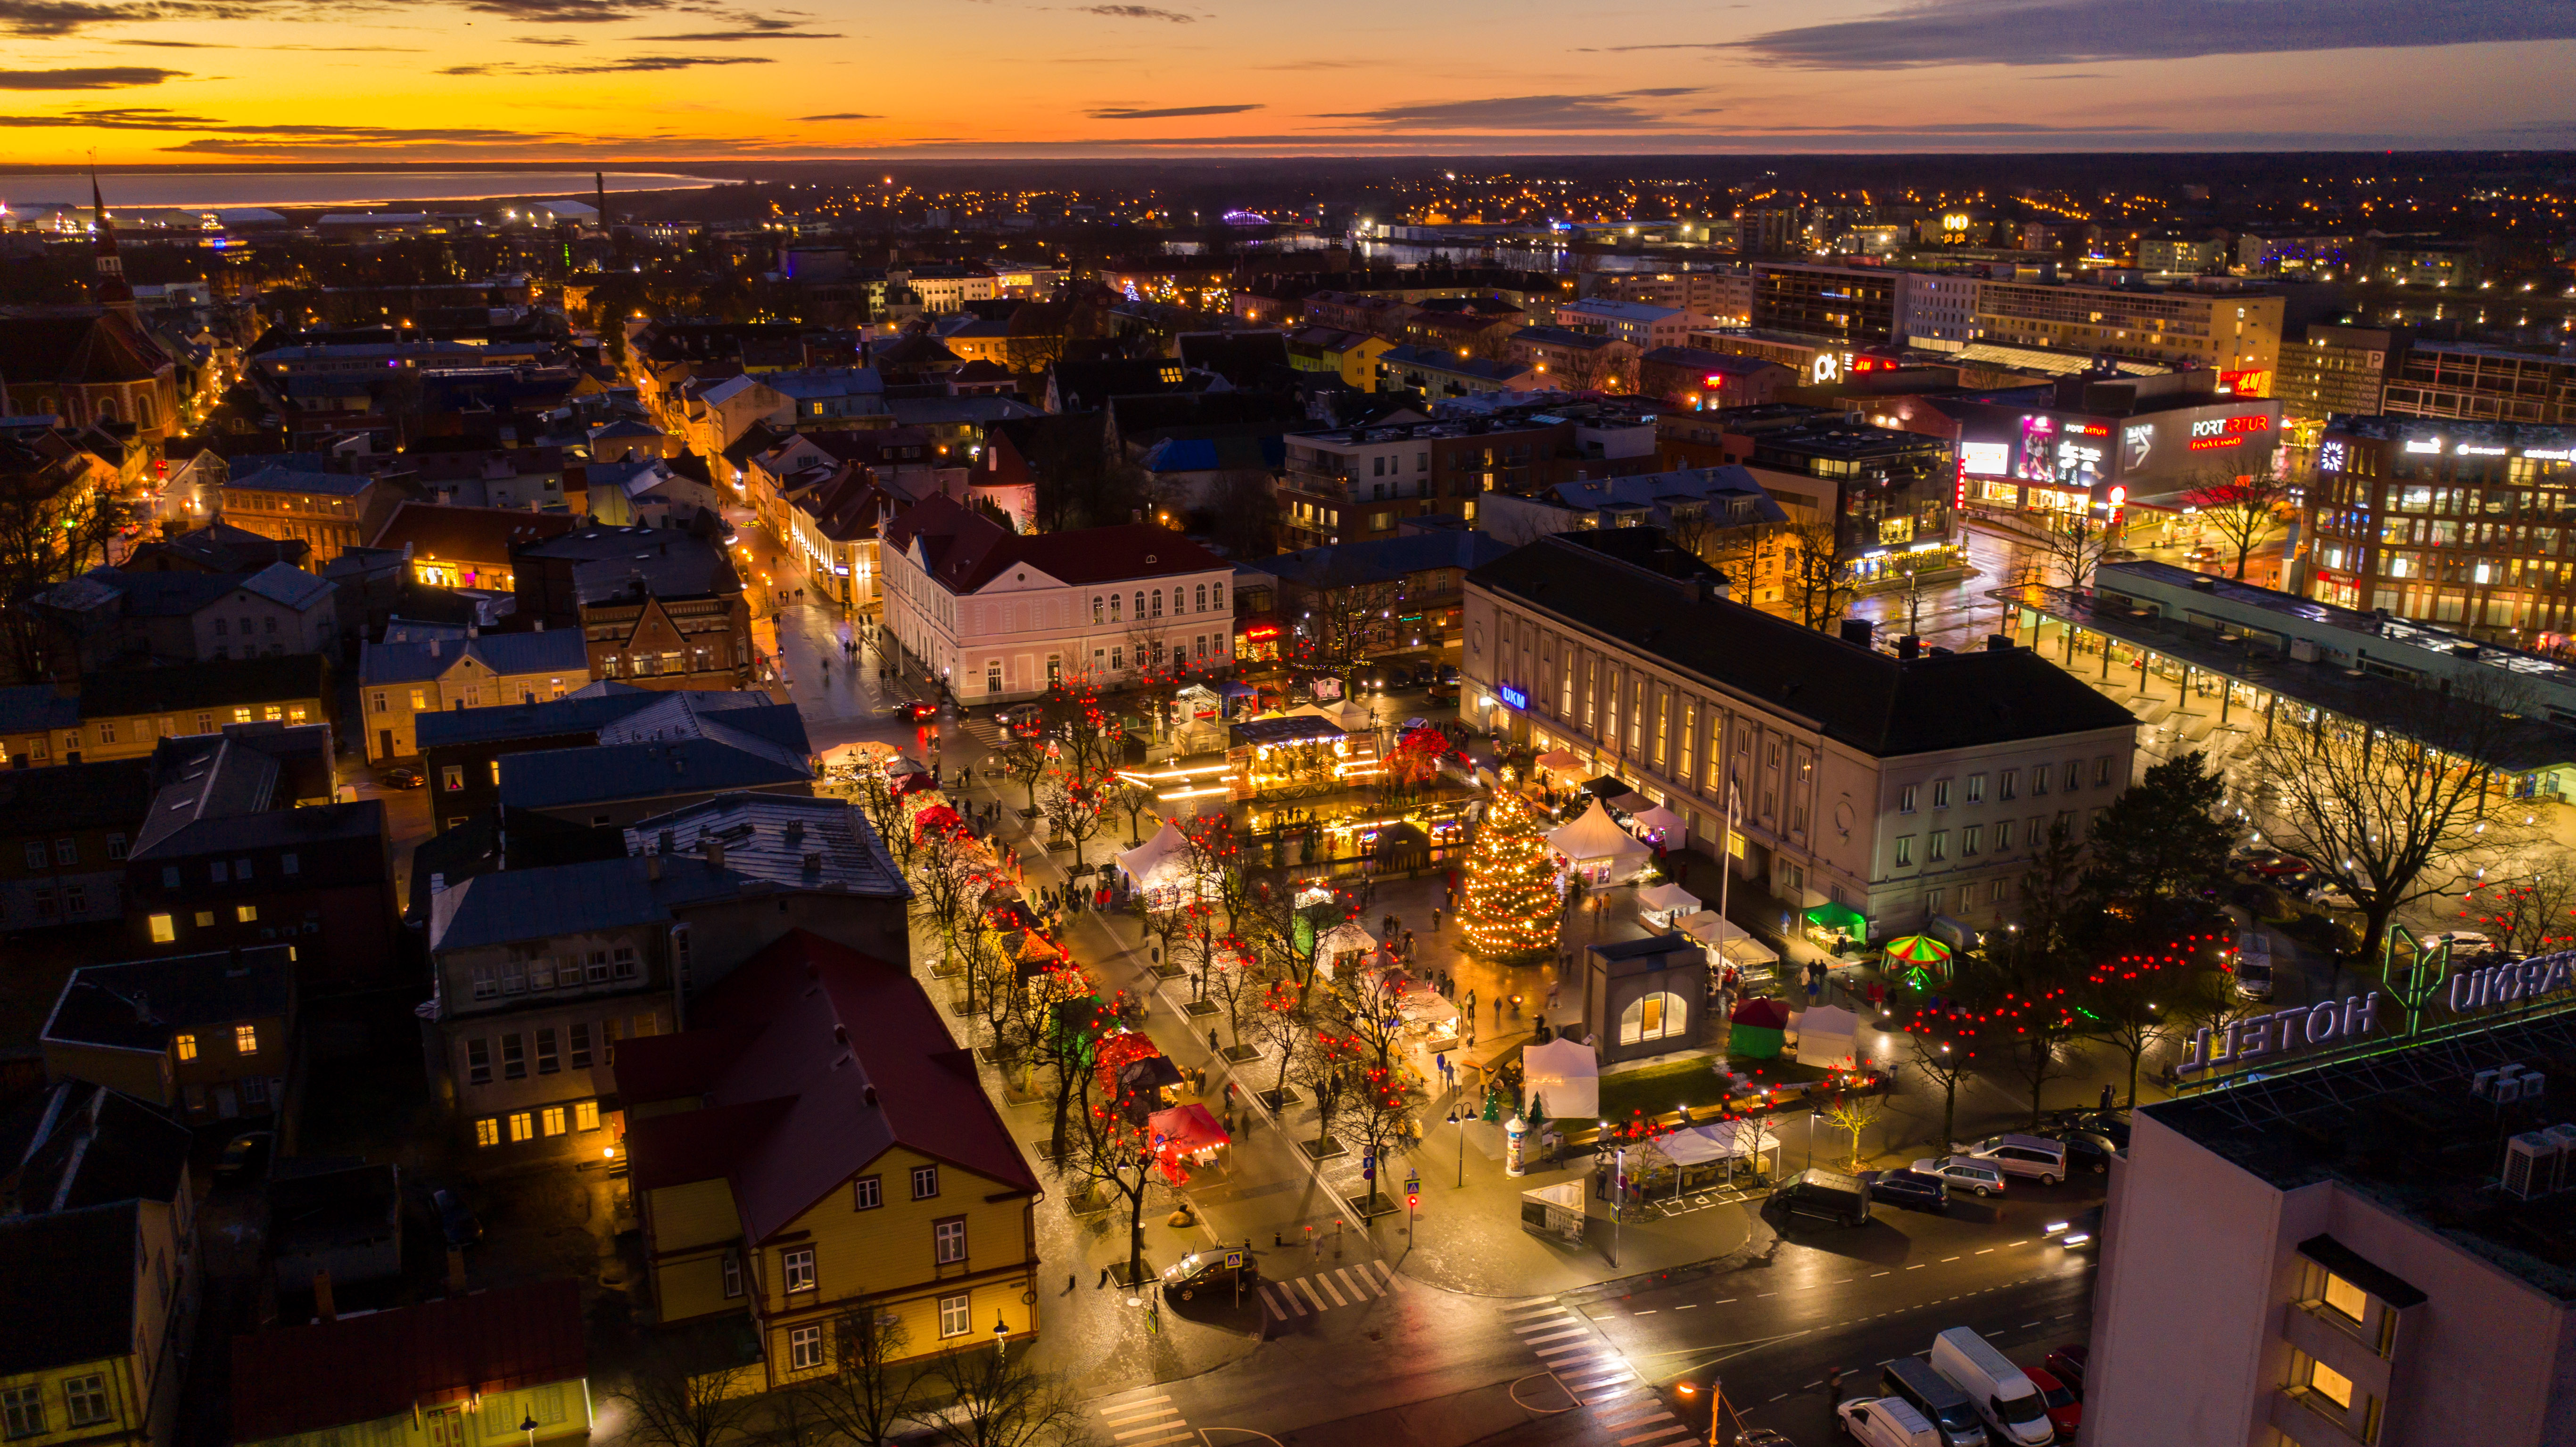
(1564, 1077)
(1661, 825)
(1160, 865)
(1726, 942)
(1826, 1034)
(1721, 1142)
(1662, 904)
(1343, 946)
(1599, 850)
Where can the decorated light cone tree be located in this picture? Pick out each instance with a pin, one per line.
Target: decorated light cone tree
(1510, 910)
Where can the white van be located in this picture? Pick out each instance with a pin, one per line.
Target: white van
(1885, 1422)
(2012, 1407)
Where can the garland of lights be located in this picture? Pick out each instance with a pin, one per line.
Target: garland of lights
(1510, 909)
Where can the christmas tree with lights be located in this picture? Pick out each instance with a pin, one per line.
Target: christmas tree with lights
(1511, 905)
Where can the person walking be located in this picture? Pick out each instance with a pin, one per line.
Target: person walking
(2106, 1098)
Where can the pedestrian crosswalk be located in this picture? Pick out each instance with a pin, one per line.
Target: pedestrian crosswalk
(1144, 1419)
(1324, 1290)
(1594, 1375)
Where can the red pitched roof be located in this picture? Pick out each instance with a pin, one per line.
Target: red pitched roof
(339, 1373)
(965, 549)
(810, 1060)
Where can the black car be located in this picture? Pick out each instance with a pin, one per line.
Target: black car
(915, 712)
(1210, 1271)
(2111, 1125)
(399, 777)
(1911, 1188)
(1448, 673)
(456, 1220)
(245, 1156)
(2087, 1150)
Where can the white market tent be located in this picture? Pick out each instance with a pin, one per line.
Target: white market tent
(1343, 941)
(1597, 847)
(1346, 716)
(1825, 1034)
(1162, 862)
(1663, 902)
(1720, 1140)
(1661, 822)
(1564, 1076)
(1727, 939)
(1632, 804)
(1558, 761)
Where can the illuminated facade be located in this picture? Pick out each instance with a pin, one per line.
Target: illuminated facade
(2454, 522)
(2226, 329)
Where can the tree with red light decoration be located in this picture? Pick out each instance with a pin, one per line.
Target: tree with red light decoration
(1941, 1040)
(1328, 1068)
(2531, 911)
(1379, 1107)
(1413, 764)
(2028, 989)
(2141, 996)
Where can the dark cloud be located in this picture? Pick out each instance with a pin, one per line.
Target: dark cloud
(1137, 12)
(709, 36)
(633, 64)
(99, 77)
(1520, 113)
(2064, 32)
(59, 17)
(843, 116)
(178, 44)
(1126, 113)
(347, 49)
(567, 12)
(153, 118)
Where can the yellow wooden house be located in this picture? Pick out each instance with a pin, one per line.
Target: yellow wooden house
(815, 1143)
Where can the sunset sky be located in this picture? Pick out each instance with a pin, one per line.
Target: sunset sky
(160, 81)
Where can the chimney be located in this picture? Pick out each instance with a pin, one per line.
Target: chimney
(541, 625)
(1857, 630)
(438, 884)
(433, 648)
(715, 852)
(653, 868)
(322, 1304)
(1909, 646)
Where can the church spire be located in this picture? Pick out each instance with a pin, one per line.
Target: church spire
(107, 269)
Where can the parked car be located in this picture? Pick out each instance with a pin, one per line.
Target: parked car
(2461, 941)
(245, 1156)
(1825, 1195)
(456, 1220)
(2013, 1409)
(399, 777)
(2113, 1125)
(2067, 1365)
(1448, 673)
(1937, 1398)
(1207, 1271)
(1885, 1422)
(1983, 1177)
(2273, 865)
(2254, 976)
(1441, 693)
(2065, 1409)
(1905, 1188)
(2086, 1150)
(2037, 1157)
(1024, 720)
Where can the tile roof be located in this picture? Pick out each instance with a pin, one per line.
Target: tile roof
(74, 349)
(1864, 698)
(140, 1004)
(76, 1144)
(296, 479)
(289, 587)
(966, 550)
(767, 840)
(550, 651)
(182, 687)
(81, 1265)
(600, 773)
(529, 904)
(75, 796)
(812, 1060)
(581, 711)
(609, 562)
(328, 1374)
(474, 534)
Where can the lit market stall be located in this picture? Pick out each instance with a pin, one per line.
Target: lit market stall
(1661, 905)
(1598, 850)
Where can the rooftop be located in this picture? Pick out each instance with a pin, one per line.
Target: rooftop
(74, 1144)
(600, 773)
(312, 1378)
(187, 687)
(140, 1004)
(81, 1264)
(964, 550)
(1605, 582)
(559, 651)
(2395, 1121)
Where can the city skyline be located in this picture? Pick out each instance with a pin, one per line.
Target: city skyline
(180, 81)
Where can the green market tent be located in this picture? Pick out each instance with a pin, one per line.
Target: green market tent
(1830, 917)
(1760, 1025)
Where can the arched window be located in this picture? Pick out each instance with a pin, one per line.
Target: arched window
(1218, 592)
(106, 409)
(1662, 1016)
(1114, 601)
(1198, 599)
(1158, 601)
(1140, 607)
(1095, 607)
(143, 413)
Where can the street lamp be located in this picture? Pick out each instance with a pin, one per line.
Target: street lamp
(529, 1426)
(1001, 1335)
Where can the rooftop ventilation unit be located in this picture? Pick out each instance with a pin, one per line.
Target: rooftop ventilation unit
(2531, 1164)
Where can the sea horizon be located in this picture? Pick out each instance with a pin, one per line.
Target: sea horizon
(355, 186)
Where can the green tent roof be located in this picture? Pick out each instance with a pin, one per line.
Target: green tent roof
(1839, 916)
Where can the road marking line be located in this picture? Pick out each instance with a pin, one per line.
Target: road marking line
(1761, 1294)
(1876, 1274)
(1811, 1386)
(1385, 1273)
(1185, 1434)
(1570, 1349)
(2025, 1326)
(1989, 1251)
(1884, 1363)
(1590, 1382)
(2022, 1242)
(1723, 1301)
(1633, 1417)
(1655, 1435)
(1162, 1428)
(1533, 1308)
(1287, 1304)
(1326, 1282)
(1917, 1266)
(1694, 1306)
(1131, 1416)
(1781, 1398)
(1358, 1291)
(1139, 1402)
(1552, 1335)
(1946, 1260)
(1301, 1284)
(1649, 1311)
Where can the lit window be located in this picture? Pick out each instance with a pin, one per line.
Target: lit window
(186, 1044)
(2345, 1297)
(245, 1039)
(796, 1269)
(164, 929)
(585, 1115)
(522, 1125)
(2330, 1384)
(246, 913)
(954, 1318)
(950, 1239)
(551, 1120)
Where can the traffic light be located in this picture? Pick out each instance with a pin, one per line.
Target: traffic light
(1413, 1199)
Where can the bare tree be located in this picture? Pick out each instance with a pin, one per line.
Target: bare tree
(1340, 621)
(1132, 799)
(54, 524)
(996, 1399)
(1113, 1154)
(867, 1394)
(675, 1406)
(1024, 762)
(1851, 1110)
(2404, 807)
(2529, 908)
(1815, 571)
(1073, 807)
(2073, 545)
(2242, 509)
